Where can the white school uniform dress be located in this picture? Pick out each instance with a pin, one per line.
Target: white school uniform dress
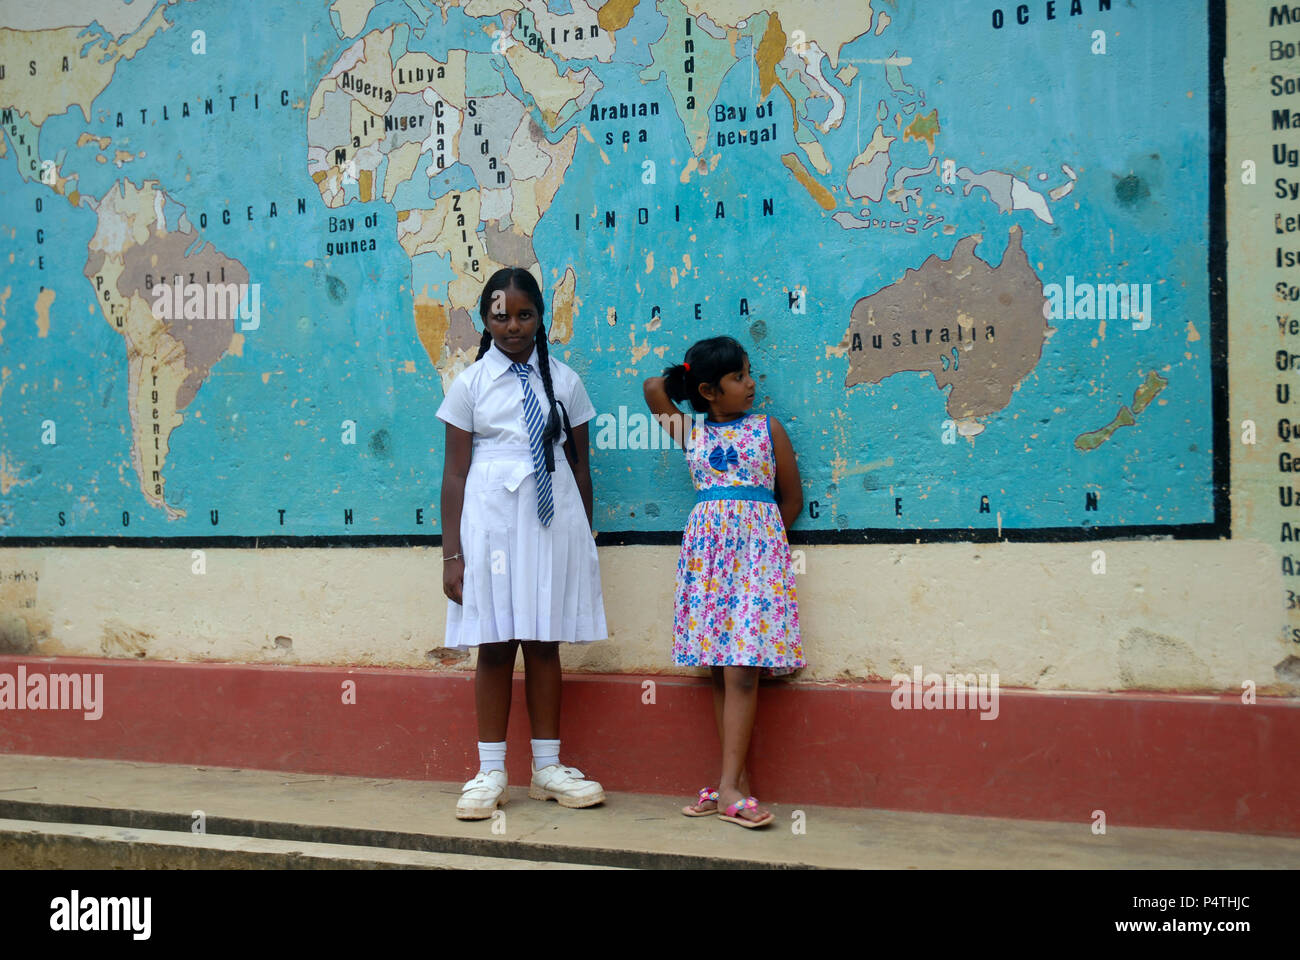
(523, 580)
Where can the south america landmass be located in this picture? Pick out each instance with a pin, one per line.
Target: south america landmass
(168, 358)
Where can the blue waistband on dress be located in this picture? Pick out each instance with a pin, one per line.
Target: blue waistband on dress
(761, 494)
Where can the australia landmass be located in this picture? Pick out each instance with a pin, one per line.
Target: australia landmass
(976, 328)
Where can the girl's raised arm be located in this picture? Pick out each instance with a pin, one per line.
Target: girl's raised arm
(789, 488)
(670, 418)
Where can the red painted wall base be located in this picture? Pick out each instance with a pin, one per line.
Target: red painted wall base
(1157, 760)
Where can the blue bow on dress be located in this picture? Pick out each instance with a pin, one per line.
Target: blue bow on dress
(721, 460)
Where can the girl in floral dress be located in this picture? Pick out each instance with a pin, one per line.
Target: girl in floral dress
(736, 611)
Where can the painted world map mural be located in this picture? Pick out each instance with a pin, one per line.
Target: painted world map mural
(965, 246)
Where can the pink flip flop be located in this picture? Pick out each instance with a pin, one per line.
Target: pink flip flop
(749, 803)
(705, 796)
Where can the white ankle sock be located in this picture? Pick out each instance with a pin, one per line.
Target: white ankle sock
(491, 756)
(545, 753)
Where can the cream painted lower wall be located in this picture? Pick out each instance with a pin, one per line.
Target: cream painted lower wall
(1169, 615)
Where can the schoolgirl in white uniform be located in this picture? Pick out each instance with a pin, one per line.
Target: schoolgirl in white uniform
(519, 561)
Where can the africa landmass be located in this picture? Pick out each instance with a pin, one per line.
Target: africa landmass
(408, 116)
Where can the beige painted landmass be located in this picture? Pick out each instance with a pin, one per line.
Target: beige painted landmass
(352, 15)
(439, 229)
(829, 25)
(44, 300)
(376, 68)
(115, 16)
(167, 358)
(824, 198)
(564, 306)
(976, 328)
(36, 82)
(816, 156)
(449, 87)
(880, 143)
(540, 78)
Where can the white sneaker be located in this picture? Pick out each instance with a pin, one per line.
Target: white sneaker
(566, 785)
(480, 796)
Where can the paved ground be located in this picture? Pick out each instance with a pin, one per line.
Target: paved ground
(327, 821)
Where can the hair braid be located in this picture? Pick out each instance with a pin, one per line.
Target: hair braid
(544, 368)
(485, 342)
(553, 423)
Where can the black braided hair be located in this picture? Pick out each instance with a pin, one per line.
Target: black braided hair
(520, 279)
(553, 424)
(484, 344)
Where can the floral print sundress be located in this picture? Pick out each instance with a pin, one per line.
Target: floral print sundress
(735, 597)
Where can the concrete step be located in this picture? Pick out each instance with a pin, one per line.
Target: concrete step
(45, 845)
(358, 817)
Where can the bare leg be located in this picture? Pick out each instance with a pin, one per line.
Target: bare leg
(493, 678)
(719, 696)
(741, 700)
(542, 688)
(719, 699)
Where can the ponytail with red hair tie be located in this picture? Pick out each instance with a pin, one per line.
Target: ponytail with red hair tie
(687, 366)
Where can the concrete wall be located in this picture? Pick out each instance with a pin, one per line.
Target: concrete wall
(1166, 615)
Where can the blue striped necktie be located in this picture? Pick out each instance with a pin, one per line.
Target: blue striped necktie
(536, 425)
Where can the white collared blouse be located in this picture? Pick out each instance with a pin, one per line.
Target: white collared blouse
(487, 400)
